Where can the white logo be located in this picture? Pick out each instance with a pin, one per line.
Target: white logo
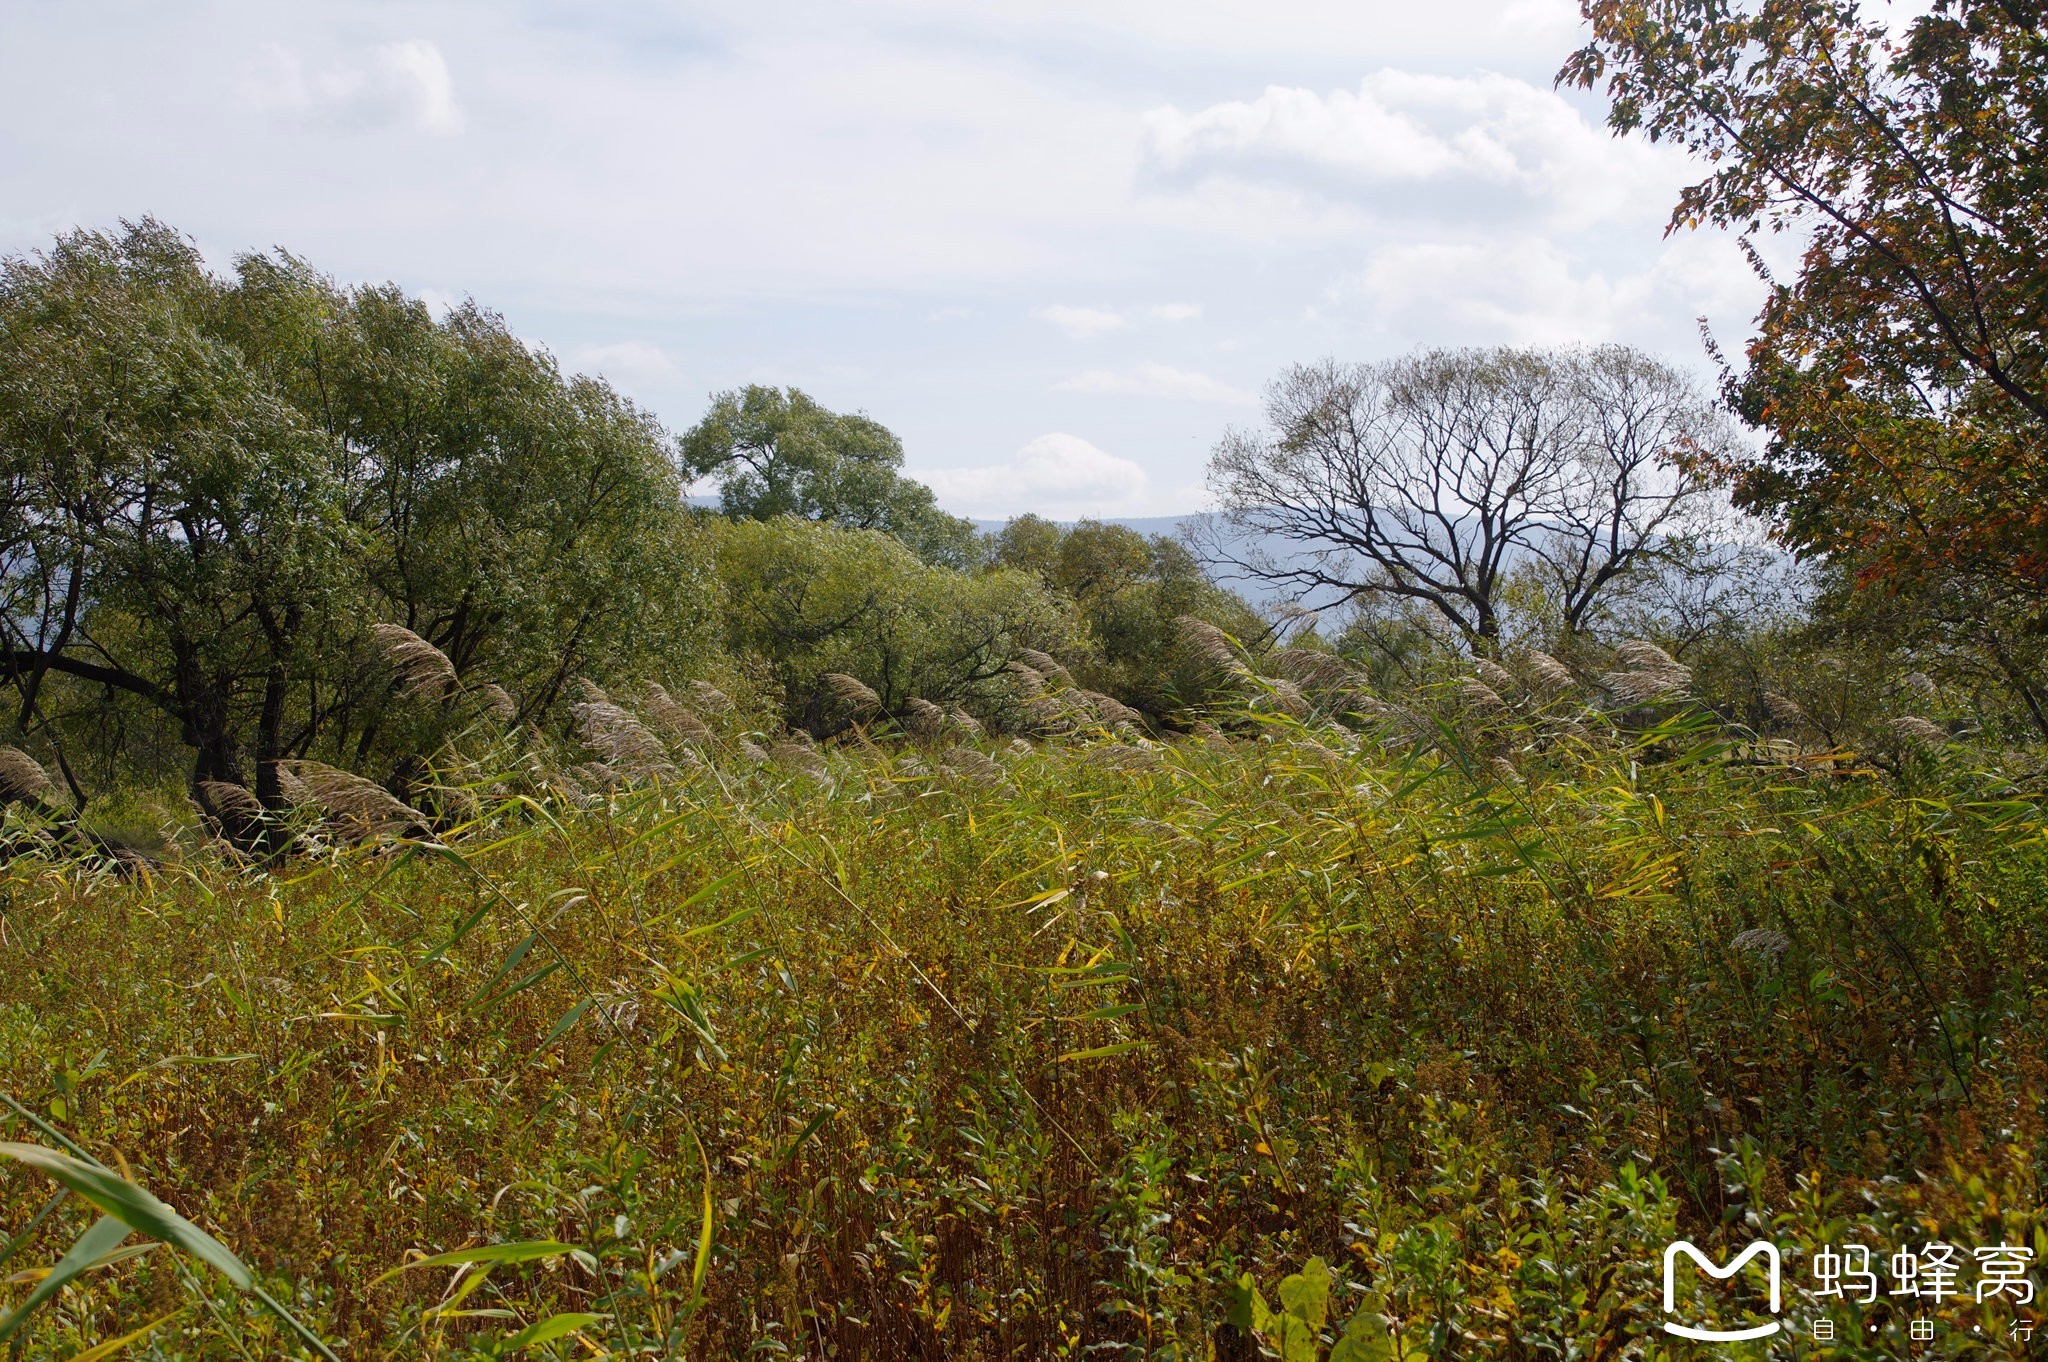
(1769, 1253)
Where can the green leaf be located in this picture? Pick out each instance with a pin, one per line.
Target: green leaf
(550, 1329)
(1306, 1294)
(1105, 1051)
(133, 1206)
(569, 1020)
(104, 1236)
(524, 1251)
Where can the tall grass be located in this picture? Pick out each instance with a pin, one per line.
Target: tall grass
(945, 1046)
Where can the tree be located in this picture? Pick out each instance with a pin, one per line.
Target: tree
(213, 487)
(778, 453)
(172, 520)
(1436, 477)
(1901, 373)
(1129, 593)
(810, 599)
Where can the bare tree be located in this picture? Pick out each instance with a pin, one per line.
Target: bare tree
(1434, 477)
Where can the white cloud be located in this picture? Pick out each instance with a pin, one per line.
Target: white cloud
(402, 84)
(1530, 290)
(1175, 312)
(1156, 380)
(1059, 475)
(1413, 144)
(1082, 322)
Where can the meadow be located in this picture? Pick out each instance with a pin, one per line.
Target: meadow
(1414, 1034)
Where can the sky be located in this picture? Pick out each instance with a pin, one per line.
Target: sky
(1058, 246)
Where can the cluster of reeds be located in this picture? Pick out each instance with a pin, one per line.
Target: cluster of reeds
(673, 1035)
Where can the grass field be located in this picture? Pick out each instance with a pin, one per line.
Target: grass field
(898, 1051)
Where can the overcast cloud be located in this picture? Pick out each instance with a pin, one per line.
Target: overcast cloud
(1057, 245)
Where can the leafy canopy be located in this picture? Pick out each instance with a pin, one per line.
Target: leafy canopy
(776, 452)
(1900, 372)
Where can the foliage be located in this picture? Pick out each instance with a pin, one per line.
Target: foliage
(215, 486)
(1416, 1042)
(809, 600)
(778, 453)
(1129, 591)
(1900, 373)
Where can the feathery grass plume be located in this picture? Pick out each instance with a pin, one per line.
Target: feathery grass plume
(1504, 769)
(972, 765)
(1761, 941)
(589, 692)
(1307, 667)
(958, 716)
(913, 767)
(673, 717)
(617, 735)
(1209, 642)
(291, 787)
(1029, 679)
(1112, 712)
(752, 750)
(596, 776)
(852, 692)
(1783, 708)
(1048, 666)
(226, 797)
(710, 698)
(1549, 672)
(1116, 756)
(1481, 696)
(1020, 747)
(1207, 731)
(1400, 727)
(361, 805)
(1918, 682)
(497, 702)
(423, 669)
(233, 808)
(1499, 678)
(23, 779)
(1642, 687)
(1652, 673)
(800, 756)
(1920, 730)
(1285, 696)
(1645, 656)
(922, 718)
(1049, 714)
(566, 785)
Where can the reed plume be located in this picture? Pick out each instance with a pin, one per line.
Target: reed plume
(362, 806)
(1549, 672)
(1048, 666)
(23, 779)
(423, 670)
(497, 702)
(1920, 730)
(852, 692)
(922, 718)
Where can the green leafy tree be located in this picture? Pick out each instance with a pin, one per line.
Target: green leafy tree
(776, 453)
(1128, 593)
(174, 527)
(215, 486)
(809, 599)
(1900, 371)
